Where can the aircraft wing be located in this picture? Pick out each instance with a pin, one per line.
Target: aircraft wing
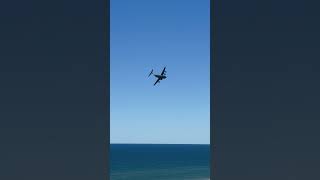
(163, 71)
(157, 81)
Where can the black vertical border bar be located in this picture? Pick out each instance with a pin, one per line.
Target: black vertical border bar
(212, 89)
(107, 85)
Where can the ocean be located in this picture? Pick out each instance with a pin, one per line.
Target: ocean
(159, 162)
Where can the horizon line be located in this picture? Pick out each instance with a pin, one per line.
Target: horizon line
(166, 143)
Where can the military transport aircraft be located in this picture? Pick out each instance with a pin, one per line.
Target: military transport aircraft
(160, 77)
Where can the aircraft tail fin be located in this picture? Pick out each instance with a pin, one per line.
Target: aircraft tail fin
(151, 72)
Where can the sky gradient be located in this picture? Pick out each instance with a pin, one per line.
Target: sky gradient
(149, 35)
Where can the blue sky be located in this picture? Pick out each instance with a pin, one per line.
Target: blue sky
(151, 34)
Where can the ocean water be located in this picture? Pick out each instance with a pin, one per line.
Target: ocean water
(159, 162)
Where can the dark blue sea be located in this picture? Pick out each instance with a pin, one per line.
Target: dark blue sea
(159, 162)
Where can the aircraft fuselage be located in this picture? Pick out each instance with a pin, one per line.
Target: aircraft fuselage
(160, 76)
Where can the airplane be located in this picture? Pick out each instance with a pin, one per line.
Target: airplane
(160, 77)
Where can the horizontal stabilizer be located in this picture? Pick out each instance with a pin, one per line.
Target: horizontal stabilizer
(151, 72)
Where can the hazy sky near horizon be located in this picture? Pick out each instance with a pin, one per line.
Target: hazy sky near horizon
(149, 35)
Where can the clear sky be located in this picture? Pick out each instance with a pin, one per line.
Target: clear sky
(151, 34)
